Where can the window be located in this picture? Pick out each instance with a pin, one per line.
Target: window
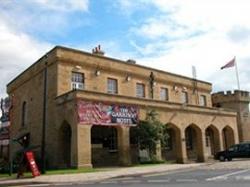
(244, 147)
(169, 140)
(233, 148)
(140, 90)
(77, 81)
(209, 137)
(104, 137)
(164, 94)
(189, 138)
(24, 114)
(203, 101)
(112, 86)
(184, 97)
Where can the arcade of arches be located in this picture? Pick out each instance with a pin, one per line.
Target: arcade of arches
(113, 145)
(195, 144)
(195, 135)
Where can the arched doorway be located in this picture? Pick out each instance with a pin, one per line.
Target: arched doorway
(228, 137)
(65, 134)
(104, 146)
(194, 147)
(172, 149)
(212, 140)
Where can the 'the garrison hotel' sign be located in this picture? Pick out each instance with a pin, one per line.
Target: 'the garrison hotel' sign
(98, 113)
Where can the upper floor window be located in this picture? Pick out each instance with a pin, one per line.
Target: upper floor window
(24, 114)
(77, 81)
(184, 97)
(140, 90)
(112, 86)
(203, 101)
(164, 94)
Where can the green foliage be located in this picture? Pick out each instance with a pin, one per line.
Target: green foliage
(150, 131)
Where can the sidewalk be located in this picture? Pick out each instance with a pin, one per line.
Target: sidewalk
(101, 175)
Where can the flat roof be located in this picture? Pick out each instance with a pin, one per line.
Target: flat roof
(104, 57)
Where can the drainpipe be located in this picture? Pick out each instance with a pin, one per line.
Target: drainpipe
(44, 124)
(152, 84)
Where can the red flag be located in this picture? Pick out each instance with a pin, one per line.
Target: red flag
(231, 63)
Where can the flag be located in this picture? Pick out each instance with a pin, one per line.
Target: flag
(230, 64)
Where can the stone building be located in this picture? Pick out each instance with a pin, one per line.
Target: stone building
(236, 101)
(92, 101)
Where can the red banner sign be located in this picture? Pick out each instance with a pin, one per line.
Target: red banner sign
(107, 114)
(32, 163)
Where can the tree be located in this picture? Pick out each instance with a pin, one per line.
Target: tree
(149, 132)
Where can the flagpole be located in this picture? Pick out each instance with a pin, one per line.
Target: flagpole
(237, 75)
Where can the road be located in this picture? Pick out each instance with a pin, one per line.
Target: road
(224, 174)
(202, 177)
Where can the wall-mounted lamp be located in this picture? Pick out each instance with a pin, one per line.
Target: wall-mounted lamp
(128, 78)
(154, 83)
(176, 88)
(97, 72)
(77, 68)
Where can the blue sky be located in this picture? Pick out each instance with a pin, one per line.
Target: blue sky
(169, 35)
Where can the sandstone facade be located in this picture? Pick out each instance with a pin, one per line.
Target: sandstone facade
(197, 129)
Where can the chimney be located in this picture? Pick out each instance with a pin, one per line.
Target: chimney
(97, 51)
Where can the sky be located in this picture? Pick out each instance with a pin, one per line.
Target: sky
(170, 35)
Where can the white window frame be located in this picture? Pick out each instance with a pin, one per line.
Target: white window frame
(140, 90)
(184, 97)
(77, 81)
(203, 100)
(164, 94)
(112, 86)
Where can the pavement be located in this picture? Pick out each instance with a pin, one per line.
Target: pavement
(100, 175)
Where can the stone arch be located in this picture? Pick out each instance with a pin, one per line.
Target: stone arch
(65, 138)
(228, 136)
(172, 150)
(194, 142)
(104, 145)
(134, 145)
(212, 140)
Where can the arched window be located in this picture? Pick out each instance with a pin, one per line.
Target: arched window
(24, 113)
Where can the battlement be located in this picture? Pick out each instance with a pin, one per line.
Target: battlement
(231, 96)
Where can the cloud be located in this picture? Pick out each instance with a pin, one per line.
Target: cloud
(26, 25)
(205, 34)
(43, 18)
(239, 34)
(17, 52)
(129, 7)
(64, 5)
